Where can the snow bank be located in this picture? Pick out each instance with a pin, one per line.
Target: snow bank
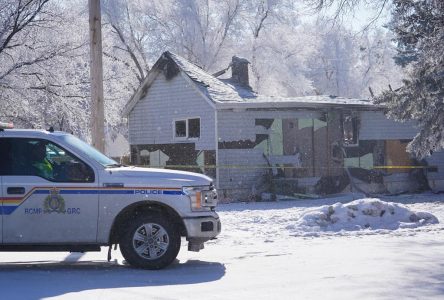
(371, 214)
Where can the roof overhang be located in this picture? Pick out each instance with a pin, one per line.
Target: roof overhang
(293, 105)
(140, 92)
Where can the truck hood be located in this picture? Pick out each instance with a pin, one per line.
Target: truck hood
(135, 176)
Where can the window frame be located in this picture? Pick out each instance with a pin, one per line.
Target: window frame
(180, 138)
(93, 180)
(187, 129)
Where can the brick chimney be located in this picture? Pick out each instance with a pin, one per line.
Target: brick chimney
(239, 71)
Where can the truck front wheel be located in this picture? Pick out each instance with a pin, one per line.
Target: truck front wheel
(150, 242)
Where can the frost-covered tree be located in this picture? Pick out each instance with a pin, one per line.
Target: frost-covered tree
(202, 28)
(42, 76)
(348, 64)
(376, 69)
(44, 72)
(332, 68)
(278, 46)
(340, 8)
(419, 31)
(418, 26)
(131, 29)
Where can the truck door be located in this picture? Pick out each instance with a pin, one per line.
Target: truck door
(1, 208)
(3, 159)
(54, 197)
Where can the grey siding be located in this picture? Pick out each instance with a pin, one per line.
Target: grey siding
(436, 160)
(375, 126)
(233, 175)
(151, 120)
(235, 126)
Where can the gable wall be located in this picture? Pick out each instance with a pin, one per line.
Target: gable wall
(151, 120)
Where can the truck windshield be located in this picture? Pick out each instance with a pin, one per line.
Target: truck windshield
(90, 151)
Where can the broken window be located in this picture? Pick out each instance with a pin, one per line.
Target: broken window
(266, 123)
(300, 146)
(180, 129)
(194, 128)
(350, 128)
(368, 155)
(288, 144)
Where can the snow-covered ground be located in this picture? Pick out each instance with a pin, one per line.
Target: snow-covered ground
(275, 250)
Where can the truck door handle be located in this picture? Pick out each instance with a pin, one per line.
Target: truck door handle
(15, 190)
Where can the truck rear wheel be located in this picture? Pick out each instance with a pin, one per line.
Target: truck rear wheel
(150, 242)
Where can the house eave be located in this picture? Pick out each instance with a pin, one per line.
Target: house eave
(293, 105)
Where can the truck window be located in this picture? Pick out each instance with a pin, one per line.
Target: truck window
(88, 150)
(5, 161)
(37, 157)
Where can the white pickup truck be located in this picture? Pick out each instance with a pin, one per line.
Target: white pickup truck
(60, 194)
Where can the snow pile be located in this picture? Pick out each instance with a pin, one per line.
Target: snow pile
(371, 214)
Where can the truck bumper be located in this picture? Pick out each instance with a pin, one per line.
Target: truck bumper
(200, 230)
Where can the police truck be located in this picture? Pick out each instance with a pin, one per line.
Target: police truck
(58, 193)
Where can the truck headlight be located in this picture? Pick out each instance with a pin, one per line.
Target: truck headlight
(202, 197)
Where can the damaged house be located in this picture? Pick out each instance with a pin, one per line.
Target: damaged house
(185, 118)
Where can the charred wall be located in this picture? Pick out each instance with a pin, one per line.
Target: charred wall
(180, 156)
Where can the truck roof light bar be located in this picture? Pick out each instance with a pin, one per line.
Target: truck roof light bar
(4, 126)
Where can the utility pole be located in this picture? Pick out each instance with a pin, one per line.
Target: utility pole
(96, 74)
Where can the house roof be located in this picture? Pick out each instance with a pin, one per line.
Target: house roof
(226, 94)
(217, 90)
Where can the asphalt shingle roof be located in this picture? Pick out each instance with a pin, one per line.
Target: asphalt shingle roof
(226, 91)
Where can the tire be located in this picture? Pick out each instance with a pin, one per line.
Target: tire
(150, 251)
